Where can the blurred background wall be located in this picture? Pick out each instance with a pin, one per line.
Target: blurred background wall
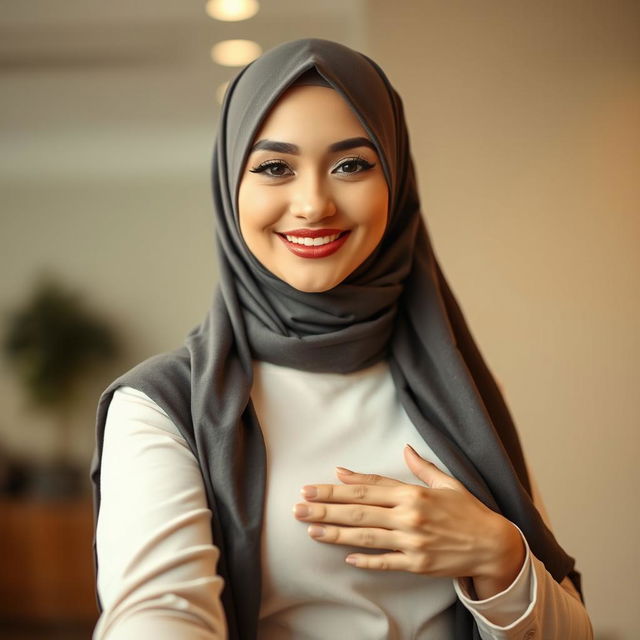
(525, 126)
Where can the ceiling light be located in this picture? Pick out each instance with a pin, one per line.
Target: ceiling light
(235, 53)
(232, 10)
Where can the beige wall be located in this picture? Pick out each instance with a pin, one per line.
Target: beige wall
(114, 241)
(525, 125)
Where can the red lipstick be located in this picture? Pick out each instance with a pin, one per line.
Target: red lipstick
(316, 250)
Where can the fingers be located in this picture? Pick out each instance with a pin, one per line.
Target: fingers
(379, 561)
(383, 496)
(428, 472)
(368, 537)
(350, 477)
(352, 515)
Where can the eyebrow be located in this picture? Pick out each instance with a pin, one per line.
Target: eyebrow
(293, 149)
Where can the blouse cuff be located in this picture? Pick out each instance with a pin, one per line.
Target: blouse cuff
(506, 609)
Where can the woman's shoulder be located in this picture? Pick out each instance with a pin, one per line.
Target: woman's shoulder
(168, 368)
(159, 388)
(132, 406)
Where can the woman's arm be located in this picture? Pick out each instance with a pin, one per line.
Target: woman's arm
(156, 559)
(442, 530)
(534, 604)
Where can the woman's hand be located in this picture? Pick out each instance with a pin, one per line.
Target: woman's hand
(438, 530)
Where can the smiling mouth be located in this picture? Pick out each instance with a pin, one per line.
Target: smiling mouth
(314, 243)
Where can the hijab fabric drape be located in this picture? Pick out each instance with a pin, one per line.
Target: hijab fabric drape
(397, 306)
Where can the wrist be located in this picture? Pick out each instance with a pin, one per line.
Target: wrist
(504, 560)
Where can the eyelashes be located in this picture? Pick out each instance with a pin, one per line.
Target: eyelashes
(357, 161)
(273, 168)
(280, 169)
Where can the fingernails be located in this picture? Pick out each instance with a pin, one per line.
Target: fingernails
(301, 510)
(351, 560)
(309, 492)
(344, 470)
(316, 531)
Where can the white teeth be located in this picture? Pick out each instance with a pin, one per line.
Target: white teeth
(312, 242)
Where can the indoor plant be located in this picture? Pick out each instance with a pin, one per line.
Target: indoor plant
(51, 343)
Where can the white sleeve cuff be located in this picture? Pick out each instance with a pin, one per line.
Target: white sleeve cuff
(507, 609)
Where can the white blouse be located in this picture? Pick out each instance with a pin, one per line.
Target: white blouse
(157, 560)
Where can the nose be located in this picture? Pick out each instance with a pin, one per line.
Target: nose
(312, 201)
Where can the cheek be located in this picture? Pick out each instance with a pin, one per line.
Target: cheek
(363, 202)
(374, 210)
(257, 210)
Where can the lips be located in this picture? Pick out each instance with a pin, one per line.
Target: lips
(313, 243)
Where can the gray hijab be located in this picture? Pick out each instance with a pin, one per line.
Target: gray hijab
(396, 306)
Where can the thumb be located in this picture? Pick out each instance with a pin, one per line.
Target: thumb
(428, 472)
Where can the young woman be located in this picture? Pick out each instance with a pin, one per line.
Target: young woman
(334, 362)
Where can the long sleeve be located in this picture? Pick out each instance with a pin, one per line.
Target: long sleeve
(156, 559)
(533, 606)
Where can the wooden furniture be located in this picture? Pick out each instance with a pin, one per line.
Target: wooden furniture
(46, 563)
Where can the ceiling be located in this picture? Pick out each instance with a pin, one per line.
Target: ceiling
(104, 89)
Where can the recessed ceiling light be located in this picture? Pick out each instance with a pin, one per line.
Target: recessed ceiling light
(235, 53)
(232, 10)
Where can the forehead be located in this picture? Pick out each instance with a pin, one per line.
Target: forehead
(309, 112)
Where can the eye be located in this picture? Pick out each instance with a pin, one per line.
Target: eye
(353, 165)
(273, 168)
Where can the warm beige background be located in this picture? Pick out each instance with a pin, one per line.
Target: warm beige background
(525, 123)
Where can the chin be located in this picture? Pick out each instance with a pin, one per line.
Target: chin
(307, 286)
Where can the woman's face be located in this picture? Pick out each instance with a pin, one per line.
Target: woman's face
(313, 199)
